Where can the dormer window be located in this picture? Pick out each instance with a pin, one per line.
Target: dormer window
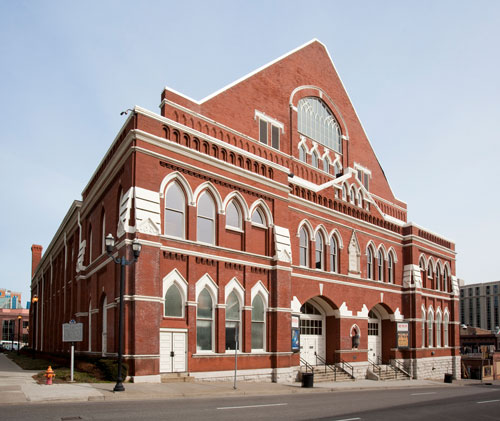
(317, 122)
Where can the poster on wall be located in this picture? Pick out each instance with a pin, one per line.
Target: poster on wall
(295, 334)
(403, 335)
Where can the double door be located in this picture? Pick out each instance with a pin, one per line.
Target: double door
(173, 352)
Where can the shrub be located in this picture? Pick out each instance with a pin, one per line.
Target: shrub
(109, 368)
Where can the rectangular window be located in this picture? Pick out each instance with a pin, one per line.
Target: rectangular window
(478, 313)
(275, 137)
(366, 182)
(263, 131)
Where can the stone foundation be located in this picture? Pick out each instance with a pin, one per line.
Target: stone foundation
(433, 368)
(276, 375)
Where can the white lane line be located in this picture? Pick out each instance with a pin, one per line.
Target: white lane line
(494, 400)
(252, 406)
(425, 393)
(349, 419)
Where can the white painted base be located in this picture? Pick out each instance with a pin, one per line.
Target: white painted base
(153, 378)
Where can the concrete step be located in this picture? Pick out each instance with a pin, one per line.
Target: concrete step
(176, 378)
(329, 376)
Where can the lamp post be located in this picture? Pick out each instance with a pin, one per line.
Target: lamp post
(19, 318)
(34, 301)
(136, 248)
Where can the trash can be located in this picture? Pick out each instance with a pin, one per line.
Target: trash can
(448, 378)
(307, 379)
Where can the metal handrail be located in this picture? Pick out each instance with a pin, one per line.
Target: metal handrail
(331, 367)
(375, 367)
(400, 366)
(304, 362)
(344, 364)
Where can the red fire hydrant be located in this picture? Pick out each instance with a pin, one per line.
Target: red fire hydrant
(49, 374)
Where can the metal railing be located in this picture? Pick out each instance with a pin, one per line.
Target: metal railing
(398, 365)
(307, 365)
(376, 368)
(343, 364)
(327, 366)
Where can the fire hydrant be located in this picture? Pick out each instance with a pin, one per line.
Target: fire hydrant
(49, 374)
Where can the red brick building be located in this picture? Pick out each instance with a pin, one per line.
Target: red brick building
(261, 204)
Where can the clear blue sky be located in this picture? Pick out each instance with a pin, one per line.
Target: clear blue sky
(423, 76)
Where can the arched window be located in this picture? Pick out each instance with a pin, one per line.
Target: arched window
(369, 263)
(314, 160)
(175, 211)
(304, 247)
(258, 217)
(429, 271)
(445, 280)
(173, 302)
(206, 219)
(326, 165)
(233, 215)
(390, 269)
(90, 245)
(103, 232)
(333, 255)
(302, 154)
(258, 323)
(445, 326)
(438, 329)
(337, 169)
(437, 281)
(380, 260)
(320, 247)
(204, 321)
(423, 327)
(360, 199)
(352, 195)
(233, 316)
(430, 329)
(316, 121)
(344, 192)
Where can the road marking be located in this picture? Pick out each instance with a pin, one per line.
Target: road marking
(425, 393)
(254, 406)
(349, 419)
(495, 400)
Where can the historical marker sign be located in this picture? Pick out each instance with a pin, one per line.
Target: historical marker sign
(72, 332)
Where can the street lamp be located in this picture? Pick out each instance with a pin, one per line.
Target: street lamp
(19, 318)
(34, 301)
(136, 248)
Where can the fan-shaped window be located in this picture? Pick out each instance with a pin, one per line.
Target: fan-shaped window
(258, 217)
(173, 302)
(316, 121)
(233, 215)
(380, 265)
(204, 321)
(333, 255)
(304, 247)
(175, 211)
(320, 246)
(369, 263)
(308, 308)
(206, 219)
(232, 321)
(302, 154)
(258, 323)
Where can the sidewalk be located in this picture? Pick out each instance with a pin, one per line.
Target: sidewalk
(17, 386)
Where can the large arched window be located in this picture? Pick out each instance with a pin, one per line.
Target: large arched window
(423, 327)
(258, 323)
(438, 329)
(437, 280)
(320, 248)
(233, 316)
(206, 219)
(233, 215)
(390, 268)
(204, 321)
(445, 326)
(380, 265)
(316, 121)
(333, 254)
(304, 247)
(314, 160)
(173, 302)
(369, 263)
(175, 211)
(430, 329)
(258, 217)
(326, 165)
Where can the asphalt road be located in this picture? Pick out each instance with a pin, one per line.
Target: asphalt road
(457, 403)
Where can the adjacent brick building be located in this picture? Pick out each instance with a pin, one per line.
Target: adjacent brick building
(260, 205)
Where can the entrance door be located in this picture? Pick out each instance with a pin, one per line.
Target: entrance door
(172, 352)
(374, 338)
(312, 334)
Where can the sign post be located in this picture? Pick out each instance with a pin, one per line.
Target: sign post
(72, 332)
